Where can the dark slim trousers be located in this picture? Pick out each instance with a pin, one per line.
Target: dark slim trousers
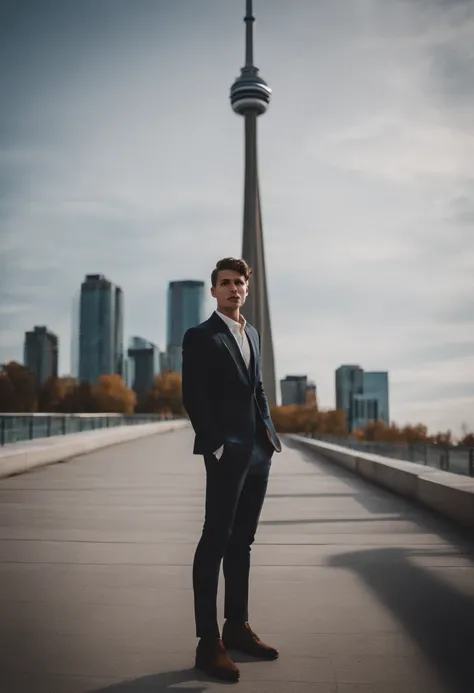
(235, 491)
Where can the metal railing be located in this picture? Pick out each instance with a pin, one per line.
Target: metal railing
(15, 428)
(451, 458)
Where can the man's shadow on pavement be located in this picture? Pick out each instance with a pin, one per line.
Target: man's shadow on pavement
(166, 682)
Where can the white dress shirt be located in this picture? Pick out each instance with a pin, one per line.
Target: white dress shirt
(239, 334)
(238, 331)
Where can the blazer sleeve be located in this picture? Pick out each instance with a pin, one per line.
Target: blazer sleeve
(195, 383)
(259, 390)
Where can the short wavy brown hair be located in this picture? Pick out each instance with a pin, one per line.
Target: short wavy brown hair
(231, 263)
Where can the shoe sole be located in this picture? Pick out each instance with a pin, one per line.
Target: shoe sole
(218, 674)
(263, 657)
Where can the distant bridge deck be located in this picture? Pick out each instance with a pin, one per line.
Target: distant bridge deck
(362, 591)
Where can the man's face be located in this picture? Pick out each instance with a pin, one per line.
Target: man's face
(231, 290)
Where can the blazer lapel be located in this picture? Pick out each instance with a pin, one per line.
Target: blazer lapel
(253, 352)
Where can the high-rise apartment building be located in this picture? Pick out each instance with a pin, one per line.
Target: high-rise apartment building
(349, 382)
(144, 365)
(100, 329)
(41, 352)
(294, 389)
(185, 310)
(364, 396)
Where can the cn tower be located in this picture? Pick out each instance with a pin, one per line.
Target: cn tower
(250, 98)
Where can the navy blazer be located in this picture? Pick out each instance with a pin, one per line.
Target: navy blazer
(223, 398)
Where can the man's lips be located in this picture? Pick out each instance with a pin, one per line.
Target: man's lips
(234, 298)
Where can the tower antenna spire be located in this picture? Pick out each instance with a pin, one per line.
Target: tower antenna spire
(249, 20)
(250, 98)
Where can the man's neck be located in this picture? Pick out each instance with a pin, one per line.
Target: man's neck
(232, 314)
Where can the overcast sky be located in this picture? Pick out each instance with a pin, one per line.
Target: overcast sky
(119, 154)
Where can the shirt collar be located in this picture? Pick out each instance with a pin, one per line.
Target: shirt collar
(232, 324)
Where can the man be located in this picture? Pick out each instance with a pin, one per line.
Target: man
(224, 397)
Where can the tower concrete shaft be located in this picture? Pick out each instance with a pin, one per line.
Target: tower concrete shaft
(250, 97)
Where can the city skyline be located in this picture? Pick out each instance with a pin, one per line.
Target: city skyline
(366, 159)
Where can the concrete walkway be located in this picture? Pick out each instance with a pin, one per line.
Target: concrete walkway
(361, 591)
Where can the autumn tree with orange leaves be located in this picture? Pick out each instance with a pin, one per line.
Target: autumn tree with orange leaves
(165, 397)
(307, 419)
(53, 393)
(113, 396)
(20, 394)
(18, 391)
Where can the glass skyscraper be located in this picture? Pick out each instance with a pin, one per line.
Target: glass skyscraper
(100, 329)
(144, 359)
(364, 396)
(185, 310)
(349, 383)
(294, 389)
(376, 387)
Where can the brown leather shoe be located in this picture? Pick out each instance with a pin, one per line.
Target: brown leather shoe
(212, 659)
(240, 636)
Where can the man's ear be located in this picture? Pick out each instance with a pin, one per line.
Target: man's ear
(213, 292)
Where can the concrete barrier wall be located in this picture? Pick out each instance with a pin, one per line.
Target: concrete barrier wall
(450, 494)
(20, 457)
